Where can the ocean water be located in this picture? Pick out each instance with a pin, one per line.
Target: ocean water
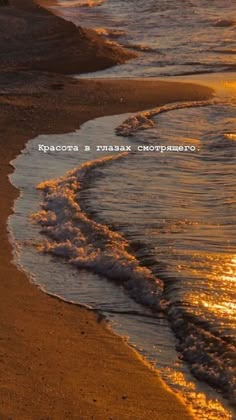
(170, 37)
(142, 231)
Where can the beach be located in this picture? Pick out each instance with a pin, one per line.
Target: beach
(59, 360)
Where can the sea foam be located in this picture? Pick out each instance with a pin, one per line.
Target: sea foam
(71, 234)
(143, 120)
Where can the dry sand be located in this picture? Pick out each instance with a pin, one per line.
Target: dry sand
(58, 360)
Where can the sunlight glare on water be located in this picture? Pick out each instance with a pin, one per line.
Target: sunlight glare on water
(175, 212)
(173, 231)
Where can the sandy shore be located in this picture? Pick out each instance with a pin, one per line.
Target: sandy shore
(38, 40)
(57, 360)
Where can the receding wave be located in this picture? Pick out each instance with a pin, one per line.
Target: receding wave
(71, 234)
(143, 120)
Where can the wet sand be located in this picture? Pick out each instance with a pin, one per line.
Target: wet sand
(59, 360)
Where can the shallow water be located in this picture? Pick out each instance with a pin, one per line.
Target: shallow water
(154, 253)
(148, 238)
(186, 216)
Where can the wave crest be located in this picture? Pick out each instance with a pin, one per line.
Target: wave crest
(87, 244)
(143, 120)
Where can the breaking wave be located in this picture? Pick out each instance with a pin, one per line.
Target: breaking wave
(89, 245)
(139, 47)
(143, 120)
(71, 234)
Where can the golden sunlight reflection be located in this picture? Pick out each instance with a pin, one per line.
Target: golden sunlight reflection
(221, 270)
(230, 136)
(205, 409)
(230, 84)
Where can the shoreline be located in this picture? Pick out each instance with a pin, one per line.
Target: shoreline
(51, 352)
